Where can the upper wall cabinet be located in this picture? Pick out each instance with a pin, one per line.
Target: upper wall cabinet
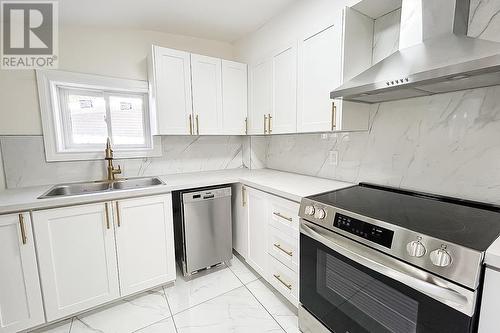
(234, 98)
(197, 95)
(170, 89)
(206, 75)
(283, 118)
(320, 60)
(290, 89)
(260, 94)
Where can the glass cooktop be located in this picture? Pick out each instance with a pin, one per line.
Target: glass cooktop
(467, 223)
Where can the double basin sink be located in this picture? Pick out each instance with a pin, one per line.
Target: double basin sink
(101, 186)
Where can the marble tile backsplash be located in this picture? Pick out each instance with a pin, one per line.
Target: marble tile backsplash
(25, 164)
(448, 144)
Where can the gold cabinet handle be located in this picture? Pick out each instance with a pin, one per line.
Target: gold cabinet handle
(278, 214)
(278, 277)
(270, 126)
(118, 214)
(190, 124)
(334, 116)
(278, 246)
(108, 226)
(24, 238)
(243, 196)
(246, 125)
(265, 124)
(197, 125)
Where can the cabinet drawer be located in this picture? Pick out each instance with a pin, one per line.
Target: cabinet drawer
(284, 280)
(284, 215)
(284, 248)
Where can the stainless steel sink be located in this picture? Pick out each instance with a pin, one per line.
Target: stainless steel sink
(128, 184)
(100, 186)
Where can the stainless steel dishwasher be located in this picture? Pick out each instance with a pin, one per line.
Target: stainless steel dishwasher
(206, 228)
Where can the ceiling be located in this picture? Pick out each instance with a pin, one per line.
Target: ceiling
(223, 20)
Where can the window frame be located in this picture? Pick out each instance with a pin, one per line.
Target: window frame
(54, 131)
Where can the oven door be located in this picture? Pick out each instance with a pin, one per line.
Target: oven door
(352, 288)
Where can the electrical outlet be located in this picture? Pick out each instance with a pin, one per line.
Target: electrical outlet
(333, 157)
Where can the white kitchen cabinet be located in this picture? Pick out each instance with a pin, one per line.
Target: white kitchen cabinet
(283, 118)
(488, 318)
(20, 296)
(170, 90)
(319, 72)
(207, 94)
(144, 242)
(234, 98)
(260, 94)
(258, 210)
(240, 219)
(77, 258)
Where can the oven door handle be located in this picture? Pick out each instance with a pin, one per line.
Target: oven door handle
(453, 295)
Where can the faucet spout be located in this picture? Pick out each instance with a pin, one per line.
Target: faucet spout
(111, 170)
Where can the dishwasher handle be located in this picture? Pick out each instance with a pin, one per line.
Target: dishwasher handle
(209, 194)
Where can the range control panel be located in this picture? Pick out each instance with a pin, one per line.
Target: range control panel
(365, 230)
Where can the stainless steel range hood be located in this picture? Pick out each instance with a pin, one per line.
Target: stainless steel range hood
(435, 56)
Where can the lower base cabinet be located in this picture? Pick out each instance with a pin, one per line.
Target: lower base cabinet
(20, 296)
(273, 238)
(144, 243)
(77, 258)
(488, 318)
(93, 254)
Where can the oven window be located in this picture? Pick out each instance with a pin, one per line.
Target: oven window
(374, 305)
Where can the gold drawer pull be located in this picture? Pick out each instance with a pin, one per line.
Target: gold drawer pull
(334, 116)
(278, 246)
(23, 229)
(278, 277)
(265, 124)
(107, 215)
(282, 216)
(118, 215)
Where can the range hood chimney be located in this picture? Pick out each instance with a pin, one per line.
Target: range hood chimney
(435, 56)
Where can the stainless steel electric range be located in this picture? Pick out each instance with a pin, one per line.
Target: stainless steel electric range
(378, 259)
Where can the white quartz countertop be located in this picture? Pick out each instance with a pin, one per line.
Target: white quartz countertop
(288, 185)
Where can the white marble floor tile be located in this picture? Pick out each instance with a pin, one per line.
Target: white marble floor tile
(187, 293)
(125, 316)
(242, 271)
(62, 327)
(164, 326)
(278, 307)
(236, 311)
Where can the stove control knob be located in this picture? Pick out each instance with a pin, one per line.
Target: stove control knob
(415, 249)
(309, 210)
(319, 213)
(441, 257)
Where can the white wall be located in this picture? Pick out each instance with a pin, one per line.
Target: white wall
(110, 52)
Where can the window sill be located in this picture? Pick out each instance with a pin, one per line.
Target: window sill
(55, 156)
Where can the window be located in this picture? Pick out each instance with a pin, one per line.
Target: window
(80, 111)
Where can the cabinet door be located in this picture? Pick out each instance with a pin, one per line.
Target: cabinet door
(170, 79)
(284, 115)
(488, 320)
(144, 242)
(234, 97)
(207, 94)
(240, 219)
(77, 258)
(20, 297)
(319, 72)
(261, 75)
(257, 230)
